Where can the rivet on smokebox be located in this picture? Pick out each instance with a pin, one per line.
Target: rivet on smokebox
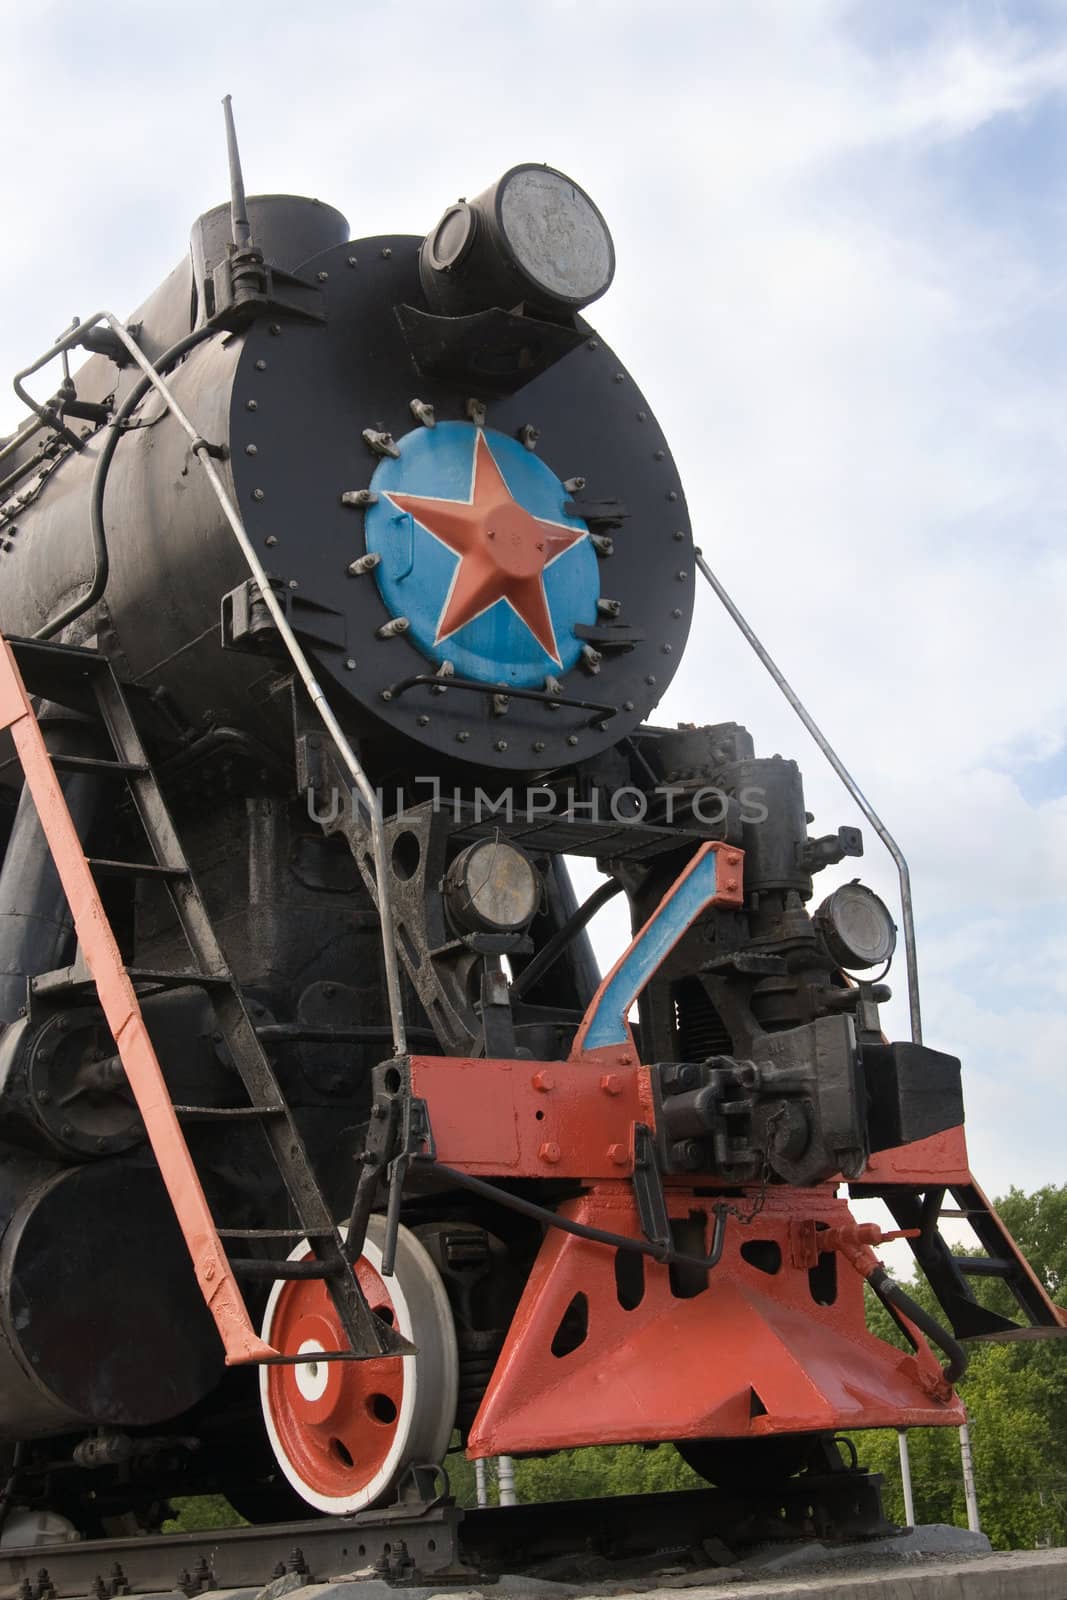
(733, 860)
(549, 1153)
(611, 1083)
(543, 1082)
(618, 1154)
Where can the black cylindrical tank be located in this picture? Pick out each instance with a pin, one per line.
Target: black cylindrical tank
(101, 1320)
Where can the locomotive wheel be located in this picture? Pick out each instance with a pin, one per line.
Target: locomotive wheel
(344, 1432)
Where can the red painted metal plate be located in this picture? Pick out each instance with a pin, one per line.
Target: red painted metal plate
(749, 1352)
(533, 1119)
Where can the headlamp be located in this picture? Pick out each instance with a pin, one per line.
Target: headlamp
(491, 887)
(856, 927)
(533, 239)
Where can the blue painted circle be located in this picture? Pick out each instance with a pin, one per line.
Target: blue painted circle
(416, 570)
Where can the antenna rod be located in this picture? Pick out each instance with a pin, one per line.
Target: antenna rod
(242, 233)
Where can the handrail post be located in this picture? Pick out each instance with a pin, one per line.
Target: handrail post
(903, 875)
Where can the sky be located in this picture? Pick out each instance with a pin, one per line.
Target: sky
(841, 232)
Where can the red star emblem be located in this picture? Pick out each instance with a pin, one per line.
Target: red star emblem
(503, 550)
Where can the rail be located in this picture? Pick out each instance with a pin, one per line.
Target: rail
(903, 874)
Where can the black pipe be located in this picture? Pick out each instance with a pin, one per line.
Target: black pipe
(581, 1230)
(894, 1298)
(550, 953)
(101, 558)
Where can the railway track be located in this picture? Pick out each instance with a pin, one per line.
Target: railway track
(441, 1543)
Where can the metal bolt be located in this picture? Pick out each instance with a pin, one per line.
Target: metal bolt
(549, 1152)
(678, 535)
(659, 455)
(359, 497)
(650, 680)
(537, 746)
(543, 1082)
(591, 658)
(611, 1083)
(501, 745)
(323, 277)
(275, 328)
(529, 435)
(294, 583)
(682, 575)
(572, 738)
(257, 494)
(251, 450)
(350, 665)
(642, 416)
(591, 344)
(386, 253)
(574, 485)
(475, 410)
(463, 736)
(620, 377)
(423, 720)
(353, 261)
(261, 366)
(677, 612)
(381, 443)
(424, 413)
(666, 649)
(390, 629)
(618, 1154)
(602, 544)
(609, 608)
(251, 405)
(271, 540)
(673, 495)
(363, 564)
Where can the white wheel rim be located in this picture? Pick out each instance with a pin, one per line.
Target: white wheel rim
(330, 1425)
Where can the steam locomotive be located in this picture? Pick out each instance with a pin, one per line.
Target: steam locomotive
(337, 587)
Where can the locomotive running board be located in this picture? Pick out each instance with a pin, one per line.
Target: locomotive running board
(368, 1336)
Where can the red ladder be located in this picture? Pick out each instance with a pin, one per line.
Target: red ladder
(98, 690)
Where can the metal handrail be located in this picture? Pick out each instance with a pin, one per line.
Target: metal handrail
(903, 874)
(202, 450)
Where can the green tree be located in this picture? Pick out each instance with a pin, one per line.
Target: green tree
(1016, 1397)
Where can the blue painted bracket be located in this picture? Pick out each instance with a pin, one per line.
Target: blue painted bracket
(604, 1024)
